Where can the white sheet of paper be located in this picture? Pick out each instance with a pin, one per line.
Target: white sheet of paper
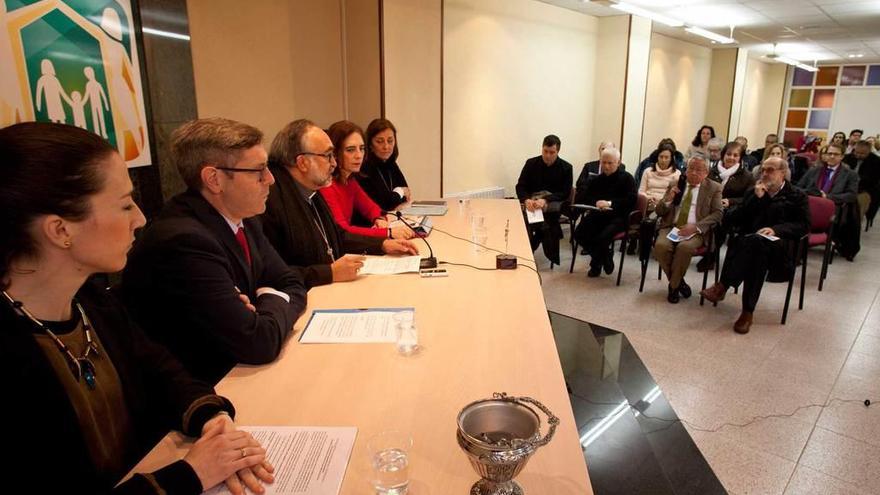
(308, 460)
(390, 265)
(675, 236)
(352, 327)
(769, 237)
(536, 216)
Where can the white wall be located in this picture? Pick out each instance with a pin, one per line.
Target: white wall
(678, 82)
(608, 90)
(513, 72)
(412, 46)
(762, 101)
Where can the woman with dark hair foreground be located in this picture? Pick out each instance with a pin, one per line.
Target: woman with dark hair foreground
(89, 395)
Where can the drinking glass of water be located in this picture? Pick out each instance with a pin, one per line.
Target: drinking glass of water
(389, 458)
(479, 236)
(407, 333)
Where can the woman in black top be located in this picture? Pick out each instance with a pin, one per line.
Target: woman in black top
(381, 178)
(87, 395)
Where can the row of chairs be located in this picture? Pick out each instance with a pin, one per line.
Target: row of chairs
(822, 220)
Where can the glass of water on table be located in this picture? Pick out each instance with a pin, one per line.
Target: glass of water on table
(389, 459)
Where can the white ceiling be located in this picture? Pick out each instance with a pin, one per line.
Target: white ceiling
(823, 30)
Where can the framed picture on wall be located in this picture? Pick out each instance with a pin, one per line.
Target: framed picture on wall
(75, 62)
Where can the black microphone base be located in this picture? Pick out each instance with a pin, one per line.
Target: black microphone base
(428, 263)
(505, 262)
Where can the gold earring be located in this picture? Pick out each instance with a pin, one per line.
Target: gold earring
(67, 243)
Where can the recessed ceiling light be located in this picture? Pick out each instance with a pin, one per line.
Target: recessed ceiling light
(856, 55)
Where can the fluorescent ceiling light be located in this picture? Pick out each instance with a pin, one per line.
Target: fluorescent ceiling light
(709, 34)
(795, 63)
(165, 34)
(856, 55)
(632, 9)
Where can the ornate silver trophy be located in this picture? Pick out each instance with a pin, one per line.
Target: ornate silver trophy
(498, 435)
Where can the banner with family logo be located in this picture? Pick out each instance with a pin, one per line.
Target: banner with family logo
(74, 62)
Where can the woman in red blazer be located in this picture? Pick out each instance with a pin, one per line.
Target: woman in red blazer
(345, 196)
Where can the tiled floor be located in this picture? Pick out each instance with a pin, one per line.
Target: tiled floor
(718, 380)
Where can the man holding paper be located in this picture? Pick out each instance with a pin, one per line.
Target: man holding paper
(298, 221)
(771, 219)
(543, 186)
(690, 211)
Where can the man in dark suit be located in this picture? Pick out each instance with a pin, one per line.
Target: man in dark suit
(867, 165)
(771, 219)
(613, 195)
(694, 207)
(203, 279)
(758, 154)
(839, 183)
(545, 184)
(298, 222)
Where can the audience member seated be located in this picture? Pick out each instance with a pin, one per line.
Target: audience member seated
(775, 150)
(867, 165)
(298, 222)
(592, 170)
(773, 208)
(701, 140)
(714, 149)
(746, 159)
(88, 395)
(678, 159)
(344, 195)
(838, 138)
(203, 279)
(855, 136)
(381, 178)
(840, 184)
(658, 179)
(613, 192)
(735, 180)
(545, 184)
(759, 155)
(733, 177)
(694, 207)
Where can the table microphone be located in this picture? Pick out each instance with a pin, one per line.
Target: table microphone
(430, 261)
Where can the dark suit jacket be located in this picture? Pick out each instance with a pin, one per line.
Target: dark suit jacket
(536, 177)
(378, 179)
(588, 173)
(290, 227)
(869, 174)
(708, 206)
(619, 188)
(737, 184)
(787, 213)
(182, 284)
(844, 184)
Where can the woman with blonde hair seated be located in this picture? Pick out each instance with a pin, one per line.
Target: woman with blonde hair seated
(89, 394)
(774, 150)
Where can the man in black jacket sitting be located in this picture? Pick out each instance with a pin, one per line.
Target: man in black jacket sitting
(545, 184)
(613, 195)
(867, 165)
(771, 219)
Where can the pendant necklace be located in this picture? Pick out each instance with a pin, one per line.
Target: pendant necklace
(81, 367)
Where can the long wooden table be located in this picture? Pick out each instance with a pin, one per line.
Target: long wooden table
(481, 332)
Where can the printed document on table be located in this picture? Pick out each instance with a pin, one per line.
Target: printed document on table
(390, 265)
(675, 236)
(352, 326)
(536, 216)
(308, 460)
